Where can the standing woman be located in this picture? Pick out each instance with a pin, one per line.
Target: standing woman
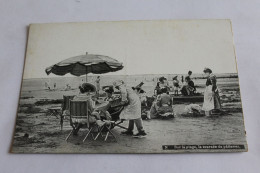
(132, 109)
(211, 94)
(98, 85)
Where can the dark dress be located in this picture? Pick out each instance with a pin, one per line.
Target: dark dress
(192, 85)
(188, 89)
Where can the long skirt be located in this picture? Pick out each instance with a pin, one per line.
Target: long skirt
(211, 102)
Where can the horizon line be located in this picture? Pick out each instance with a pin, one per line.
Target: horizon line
(57, 76)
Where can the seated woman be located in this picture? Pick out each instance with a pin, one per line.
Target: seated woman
(113, 110)
(109, 91)
(162, 107)
(189, 88)
(163, 83)
(87, 91)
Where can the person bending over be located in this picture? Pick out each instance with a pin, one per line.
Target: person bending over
(132, 109)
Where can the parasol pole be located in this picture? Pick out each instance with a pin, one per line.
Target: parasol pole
(86, 71)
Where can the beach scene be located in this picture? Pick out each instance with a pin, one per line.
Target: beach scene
(36, 132)
(167, 86)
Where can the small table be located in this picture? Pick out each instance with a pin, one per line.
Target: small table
(57, 112)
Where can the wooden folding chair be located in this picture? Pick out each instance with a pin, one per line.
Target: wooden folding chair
(65, 107)
(114, 113)
(66, 101)
(106, 127)
(80, 118)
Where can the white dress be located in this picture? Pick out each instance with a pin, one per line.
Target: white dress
(133, 109)
(208, 103)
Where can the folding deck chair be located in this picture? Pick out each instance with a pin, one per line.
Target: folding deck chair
(80, 118)
(65, 107)
(58, 111)
(105, 126)
(115, 117)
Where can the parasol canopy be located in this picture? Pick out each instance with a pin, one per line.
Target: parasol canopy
(84, 64)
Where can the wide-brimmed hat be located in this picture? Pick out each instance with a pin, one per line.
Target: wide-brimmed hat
(87, 87)
(162, 78)
(108, 89)
(175, 77)
(139, 87)
(207, 70)
(140, 90)
(118, 83)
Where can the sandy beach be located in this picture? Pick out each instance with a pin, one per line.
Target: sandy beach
(36, 132)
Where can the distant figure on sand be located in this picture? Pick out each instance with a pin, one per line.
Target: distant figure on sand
(189, 73)
(132, 109)
(68, 87)
(176, 85)
(54, 86)
(98, 85)
(47, 86)
(211, 94)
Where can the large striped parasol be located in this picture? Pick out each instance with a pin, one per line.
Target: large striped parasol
(84, 64)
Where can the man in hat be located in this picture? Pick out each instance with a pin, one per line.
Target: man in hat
(140, 92)
(132, 109)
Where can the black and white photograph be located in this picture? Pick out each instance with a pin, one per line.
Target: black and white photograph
(150, 86)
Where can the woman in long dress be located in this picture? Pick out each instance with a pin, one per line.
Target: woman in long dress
(98, 85)
(132, 109)
(163, 83)
(211, 94)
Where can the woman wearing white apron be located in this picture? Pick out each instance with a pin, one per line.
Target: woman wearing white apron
(132, 109)
(211, 94)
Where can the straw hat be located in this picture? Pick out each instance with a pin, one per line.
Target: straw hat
(162, 78)
(87, 87)
(118, 83)
(207, 70)
(108, 89)
(175, 77)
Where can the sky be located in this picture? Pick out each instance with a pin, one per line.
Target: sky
(144, 47)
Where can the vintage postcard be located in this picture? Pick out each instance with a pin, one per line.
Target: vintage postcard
(167, 86)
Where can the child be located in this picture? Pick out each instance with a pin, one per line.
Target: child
(176, 86)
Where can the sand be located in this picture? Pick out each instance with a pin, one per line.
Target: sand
(35, 132)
